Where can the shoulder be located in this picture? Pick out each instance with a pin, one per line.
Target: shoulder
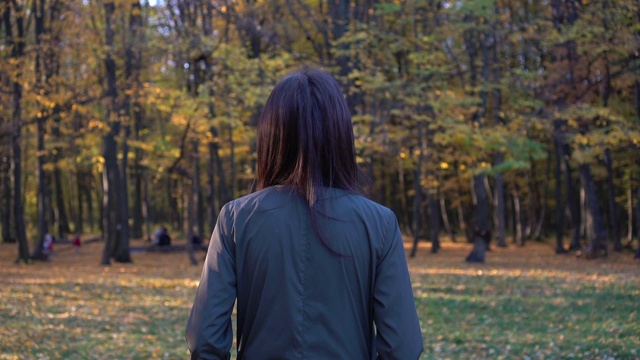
(372, 209)
(265, 199)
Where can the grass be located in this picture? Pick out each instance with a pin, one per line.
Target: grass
(524, 303)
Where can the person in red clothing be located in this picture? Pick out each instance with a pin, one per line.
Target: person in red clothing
(77, 243)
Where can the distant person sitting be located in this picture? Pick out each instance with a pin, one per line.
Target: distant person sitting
(156, 235)
(196, 242)
(163, 238)
(47, 245)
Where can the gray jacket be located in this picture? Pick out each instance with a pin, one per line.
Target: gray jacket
(297, 300)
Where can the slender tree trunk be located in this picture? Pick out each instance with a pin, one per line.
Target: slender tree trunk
(60, 209)
(41, 119)
(79, 201)
(403, 194)
(18, 206)
(100, 194)
(122, 252)
(434, 221)
(63, 220)
(613, 211)
(111, 173)
(232, 159)
(543, 213)
(88, 197)
(198, 221)
(134, 56)
(637, 256)
(532, 195)
(193, 205)
(107, 218)
(17, 53)
(137, 216)
(598, 242)
(560, 249)
(172, 197)
(5, 169)
(211, 196)
(445, 218)
(459, 209)
(519, 235)
(145, 211)
(480, 229)
(223, 194)
(43, 229)
(499, 205)
(573, 204)
(630, 209)
(417, 199)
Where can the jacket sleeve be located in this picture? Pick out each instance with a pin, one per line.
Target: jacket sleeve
(398, 334)
(209, 333)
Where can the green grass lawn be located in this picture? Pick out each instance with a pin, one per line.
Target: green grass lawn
(523, 303)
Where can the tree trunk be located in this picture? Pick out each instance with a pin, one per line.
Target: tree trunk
(43, 228)
(434, 221)
(403, 194)
(543, 213)
(79, 201)
(211, 196)
(135, 58)
(499, 205)
(517, 213)
(60, 209)
(598, 239)
(459, 209)
(630, 209)
(5, 169)
(416, 205)
(480, 224)
(445, 218)
(223, 194)
(572, 202)
(637, 256)
(145, 211)
(174, 212)
(107, 215)
(192, 206)
(111, 173)
(41, 119)
(88, 197)
(17, 53)
(197, 225)
(122, 253)
(560, 249)
(137, 216)
(613, 211)
(232, 160)
(532, 195)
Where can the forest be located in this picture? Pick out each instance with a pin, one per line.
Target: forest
(488, 120)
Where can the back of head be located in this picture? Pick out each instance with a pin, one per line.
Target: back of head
(305, 136)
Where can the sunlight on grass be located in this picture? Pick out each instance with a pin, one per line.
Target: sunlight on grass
(522, 303)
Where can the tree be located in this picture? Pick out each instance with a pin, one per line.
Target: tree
(17, 44)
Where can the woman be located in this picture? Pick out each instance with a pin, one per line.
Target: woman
(318, 271)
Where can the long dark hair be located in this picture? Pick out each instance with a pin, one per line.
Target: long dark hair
(305, 139)
(305, 136)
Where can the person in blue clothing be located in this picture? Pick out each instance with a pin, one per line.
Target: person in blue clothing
(317, 270)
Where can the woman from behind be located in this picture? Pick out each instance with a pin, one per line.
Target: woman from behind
(318, 271)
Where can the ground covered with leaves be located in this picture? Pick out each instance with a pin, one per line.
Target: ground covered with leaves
(523, 303)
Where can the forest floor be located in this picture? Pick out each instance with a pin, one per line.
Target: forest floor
(525, 303)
